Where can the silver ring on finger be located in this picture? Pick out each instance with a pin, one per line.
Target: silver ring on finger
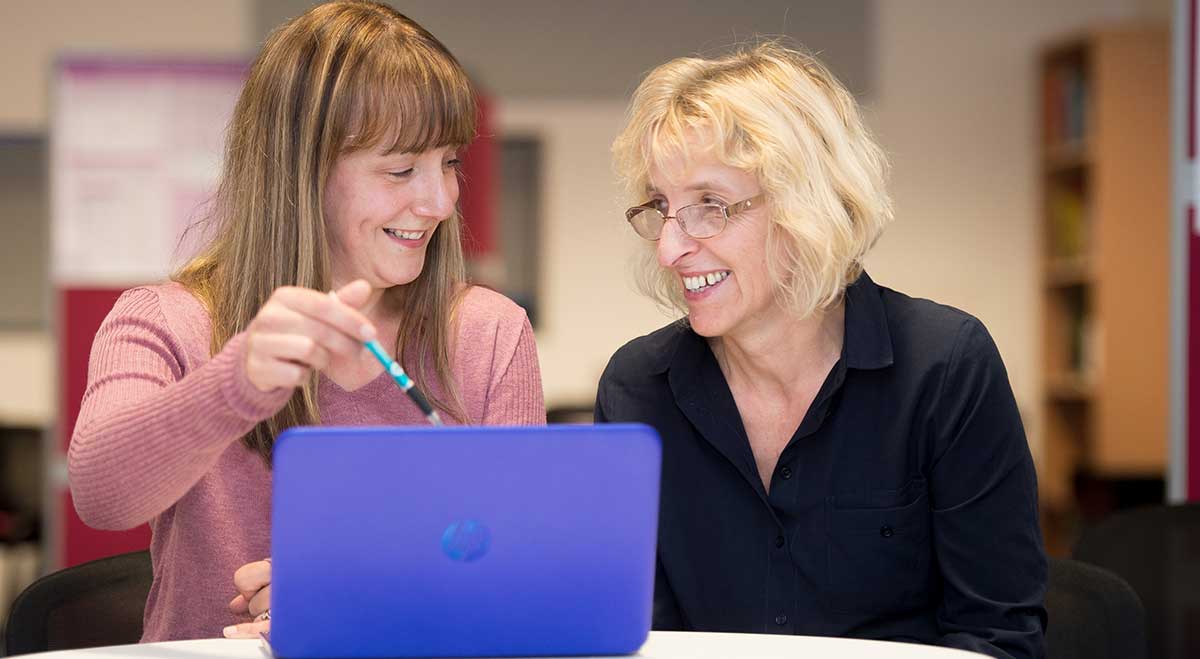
(265, 615)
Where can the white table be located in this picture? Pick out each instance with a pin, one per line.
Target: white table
(661, 645)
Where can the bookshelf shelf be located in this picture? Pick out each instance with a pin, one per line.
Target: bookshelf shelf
(1062, 272)
(1066, 157)
(1069, 387)
(1104, 176)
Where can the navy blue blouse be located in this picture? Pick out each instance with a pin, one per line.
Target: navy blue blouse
(903, 508)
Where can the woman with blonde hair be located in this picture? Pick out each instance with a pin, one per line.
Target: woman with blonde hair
(335, 223)
(839, 459)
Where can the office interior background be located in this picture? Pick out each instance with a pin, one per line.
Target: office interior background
(956, 92)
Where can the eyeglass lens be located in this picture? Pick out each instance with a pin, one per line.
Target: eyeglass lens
(698, 221)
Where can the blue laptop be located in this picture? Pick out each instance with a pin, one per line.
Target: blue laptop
(463, 542)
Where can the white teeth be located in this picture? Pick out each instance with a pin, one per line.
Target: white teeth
(405, 235)
(701, 282)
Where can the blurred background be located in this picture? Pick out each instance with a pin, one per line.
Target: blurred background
(1031, 149)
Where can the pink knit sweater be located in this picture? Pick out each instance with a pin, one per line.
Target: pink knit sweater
(157, 438)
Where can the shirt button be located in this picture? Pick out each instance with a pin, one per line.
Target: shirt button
(781, 619)
(886, 531)
(778, 541)
(785, 473)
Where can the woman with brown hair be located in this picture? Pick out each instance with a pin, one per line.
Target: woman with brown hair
(340, 175)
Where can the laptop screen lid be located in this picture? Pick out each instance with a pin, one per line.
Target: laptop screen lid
(496, 541)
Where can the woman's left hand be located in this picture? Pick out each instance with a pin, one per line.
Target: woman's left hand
(253, 583)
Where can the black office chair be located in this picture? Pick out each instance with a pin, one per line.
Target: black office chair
(571, 414)
(1093, 614)
(89, 605)
(1157, 550)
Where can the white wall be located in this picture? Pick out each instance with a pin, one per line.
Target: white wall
(590, 49)
(586, 301)
(27, 389)
(957, 110)
(34, 32)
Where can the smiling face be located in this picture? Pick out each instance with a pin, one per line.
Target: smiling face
(724, 278)
(382, 209)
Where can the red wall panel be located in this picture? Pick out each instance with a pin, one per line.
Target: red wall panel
(80, 312)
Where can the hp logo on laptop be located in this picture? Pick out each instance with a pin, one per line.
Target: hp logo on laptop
(466, 540)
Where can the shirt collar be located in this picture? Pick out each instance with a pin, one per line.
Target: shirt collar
(867, 343)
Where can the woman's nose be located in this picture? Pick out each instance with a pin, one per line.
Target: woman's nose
(437, 196)
(674, 244)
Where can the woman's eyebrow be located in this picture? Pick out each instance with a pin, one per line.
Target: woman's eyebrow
(705, 185)
(691, 187)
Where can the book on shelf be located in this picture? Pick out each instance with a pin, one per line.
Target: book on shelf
(1065, 105)
(1068, 223)
(1084, 333)
(1072, 378)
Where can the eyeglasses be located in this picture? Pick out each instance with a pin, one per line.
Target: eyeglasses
(697, 220)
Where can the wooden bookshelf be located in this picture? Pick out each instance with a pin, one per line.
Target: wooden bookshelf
(1068, 271)
(1105, 184)
(1066, 157)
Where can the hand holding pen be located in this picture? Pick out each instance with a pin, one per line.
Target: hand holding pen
(299, 329)
(402, 380)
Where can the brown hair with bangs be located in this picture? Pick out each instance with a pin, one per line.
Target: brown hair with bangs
(341, 77)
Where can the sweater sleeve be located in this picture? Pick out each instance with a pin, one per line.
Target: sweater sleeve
(515, 395)
(148, 430)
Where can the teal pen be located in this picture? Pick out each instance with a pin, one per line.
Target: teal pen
(406, 383)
